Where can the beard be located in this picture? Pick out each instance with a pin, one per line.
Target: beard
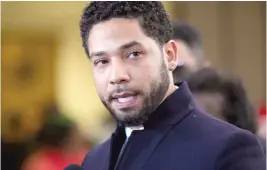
(151, 100)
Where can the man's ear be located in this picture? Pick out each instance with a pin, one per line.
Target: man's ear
(171, 54)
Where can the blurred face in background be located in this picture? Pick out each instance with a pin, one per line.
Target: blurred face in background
(188, 63)
(186, 56)
(130, 69)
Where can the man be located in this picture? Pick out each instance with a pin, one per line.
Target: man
(190, 50)
(159, 126)
(224, 97)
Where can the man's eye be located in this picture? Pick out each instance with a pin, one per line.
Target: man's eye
(100, 62)
(134, 54)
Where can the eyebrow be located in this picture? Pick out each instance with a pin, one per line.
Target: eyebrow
(122, 47)
(129, 45)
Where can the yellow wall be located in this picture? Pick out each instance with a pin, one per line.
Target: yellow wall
(73, 86)
(27, 79)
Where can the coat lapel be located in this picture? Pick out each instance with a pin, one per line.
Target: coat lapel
(141, 147)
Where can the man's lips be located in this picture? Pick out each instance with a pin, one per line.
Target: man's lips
(124, 99)
(122, 95)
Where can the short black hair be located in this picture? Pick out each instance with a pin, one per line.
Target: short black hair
(55, 131)
(190, 35)
(186, 32)
(238, 109)
(152, 17)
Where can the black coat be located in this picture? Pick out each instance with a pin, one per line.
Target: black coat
(179, 136)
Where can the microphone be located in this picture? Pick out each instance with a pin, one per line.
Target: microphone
(73, 167)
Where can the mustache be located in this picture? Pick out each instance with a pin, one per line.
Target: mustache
(121, 89)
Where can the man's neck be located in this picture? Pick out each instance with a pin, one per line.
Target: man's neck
(170, 90)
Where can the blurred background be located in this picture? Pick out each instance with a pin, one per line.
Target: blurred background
(48, 90)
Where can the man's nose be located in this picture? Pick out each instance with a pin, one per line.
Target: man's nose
(119, 73)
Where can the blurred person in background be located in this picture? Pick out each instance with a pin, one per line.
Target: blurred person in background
(13, 152)
(158, 124)
(190, 50)
(224, 97)
(191, 54)
(58, 144)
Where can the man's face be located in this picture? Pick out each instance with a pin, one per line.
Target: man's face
(186, 56)
(129, 69)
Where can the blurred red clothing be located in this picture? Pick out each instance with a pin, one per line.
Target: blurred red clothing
(262, 121)
(52, 159)
(263, 111)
